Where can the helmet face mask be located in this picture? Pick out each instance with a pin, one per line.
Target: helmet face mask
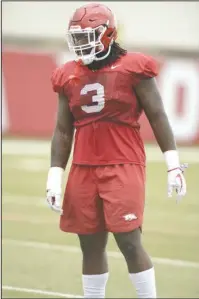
(91, 31)
(86, 43)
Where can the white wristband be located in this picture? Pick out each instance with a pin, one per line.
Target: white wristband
(172, 159)
(55, 175)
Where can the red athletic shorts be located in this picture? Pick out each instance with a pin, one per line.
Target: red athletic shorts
(104, 198)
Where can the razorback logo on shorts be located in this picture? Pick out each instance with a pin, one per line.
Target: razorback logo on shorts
(130, 217)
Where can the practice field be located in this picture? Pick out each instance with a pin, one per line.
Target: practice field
(41, 261)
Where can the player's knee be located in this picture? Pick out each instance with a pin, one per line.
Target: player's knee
(129, 246)
(90, 250)
(129, 249)
(92, 245)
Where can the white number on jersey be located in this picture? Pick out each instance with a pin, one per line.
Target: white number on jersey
(98, 99)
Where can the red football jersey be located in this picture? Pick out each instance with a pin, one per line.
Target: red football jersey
(105, 109)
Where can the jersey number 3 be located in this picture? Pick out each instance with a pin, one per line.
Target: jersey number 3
(98, 100)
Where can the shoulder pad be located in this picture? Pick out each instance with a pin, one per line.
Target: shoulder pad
(61, 75)
(142, 66)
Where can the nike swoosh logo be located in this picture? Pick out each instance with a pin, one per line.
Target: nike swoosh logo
(114, 66)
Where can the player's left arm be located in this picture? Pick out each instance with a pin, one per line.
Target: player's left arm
(151, 102)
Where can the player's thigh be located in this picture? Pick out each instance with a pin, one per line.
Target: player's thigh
(82, 208)
(124, 198)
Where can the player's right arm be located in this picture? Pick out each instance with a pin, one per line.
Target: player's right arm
(63, 134)
(61, 145)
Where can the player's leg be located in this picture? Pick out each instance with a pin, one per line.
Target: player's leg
(139, 264)
(123, 197)
(83, 215)
(94, 266)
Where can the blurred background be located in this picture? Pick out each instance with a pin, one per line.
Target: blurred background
(37, 258)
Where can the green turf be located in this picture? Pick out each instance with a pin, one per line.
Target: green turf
(170, 231)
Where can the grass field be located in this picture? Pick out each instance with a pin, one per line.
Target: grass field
(41, 261)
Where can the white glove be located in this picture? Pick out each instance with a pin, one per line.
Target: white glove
(176, 181)
(54, 188)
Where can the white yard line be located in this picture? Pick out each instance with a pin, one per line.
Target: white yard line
(112, 254)
(42, 147)
(39, 292)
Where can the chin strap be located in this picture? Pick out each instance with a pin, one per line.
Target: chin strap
(92, 57)
(87, 59)
(103, 57)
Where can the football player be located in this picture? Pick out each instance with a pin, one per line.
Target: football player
(102, 95)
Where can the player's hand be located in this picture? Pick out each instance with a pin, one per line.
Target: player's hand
(54, 200)
(54, 189)
(177, 182)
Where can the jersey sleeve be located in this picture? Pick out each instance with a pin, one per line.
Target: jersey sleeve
(57, 80)
(143, 67)
(150, 68)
